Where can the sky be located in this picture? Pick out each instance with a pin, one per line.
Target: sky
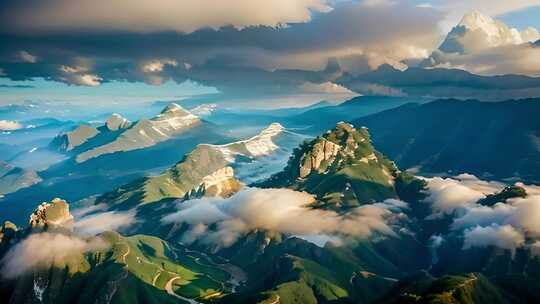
(135, 50)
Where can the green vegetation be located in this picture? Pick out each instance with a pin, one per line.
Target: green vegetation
(503, 196)
(136, 269)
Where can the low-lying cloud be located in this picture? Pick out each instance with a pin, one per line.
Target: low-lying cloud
(10, 125)
(447, 195)
(506, 237)
(159, 15)
(104, 221)
(510, 225)
(222, 221)
(45, 249)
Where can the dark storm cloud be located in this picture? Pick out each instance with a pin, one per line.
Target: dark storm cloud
(231, 58)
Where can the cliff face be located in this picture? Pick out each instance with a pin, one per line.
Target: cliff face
(221, 183)
(322, 154)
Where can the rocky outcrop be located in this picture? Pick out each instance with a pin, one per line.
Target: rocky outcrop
(117, 122)
(323, 151)
(221, 183)
(341, 168)
(50, 215)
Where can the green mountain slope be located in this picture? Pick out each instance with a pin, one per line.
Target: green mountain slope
(118, 269)
(341, 167)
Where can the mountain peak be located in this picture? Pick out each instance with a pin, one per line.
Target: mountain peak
(341, 168)
(117, 122)
(53, 214)
(173, 108)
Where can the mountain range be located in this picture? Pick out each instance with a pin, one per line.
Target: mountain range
(376, 243)
(495, 140)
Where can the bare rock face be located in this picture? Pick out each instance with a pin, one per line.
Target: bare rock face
(323, 151)
(53, 214)
(221, 183)
(117, 122)
(341, 143)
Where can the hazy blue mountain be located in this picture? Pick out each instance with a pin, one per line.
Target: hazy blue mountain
(14, 178)
(439, 82)
(450, 136)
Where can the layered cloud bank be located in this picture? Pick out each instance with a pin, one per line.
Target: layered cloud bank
(222, 221)
(248, 44)
(512, 224)
(159, 15)
(275, 48)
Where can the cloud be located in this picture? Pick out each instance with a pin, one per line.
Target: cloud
(280, 210)
(100, 222)
(505, 225)
(26, 57)
(457, 8)
(506, 237)
(43, 250)
(268, 60)
(527, 215)
(447, 195)
(159, 15)
(511, 59)
(10, 125)
(485, 46)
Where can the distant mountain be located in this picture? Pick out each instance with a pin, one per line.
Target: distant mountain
(440, 82)
(70, 140)
(500, 140)
(14, 178)
(144, 133)
(120, 135)
(201, 168)
(204, 109)
(390, 257)
(325, 117)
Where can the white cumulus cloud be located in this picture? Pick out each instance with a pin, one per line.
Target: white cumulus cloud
(100, 222)
(280, 210)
